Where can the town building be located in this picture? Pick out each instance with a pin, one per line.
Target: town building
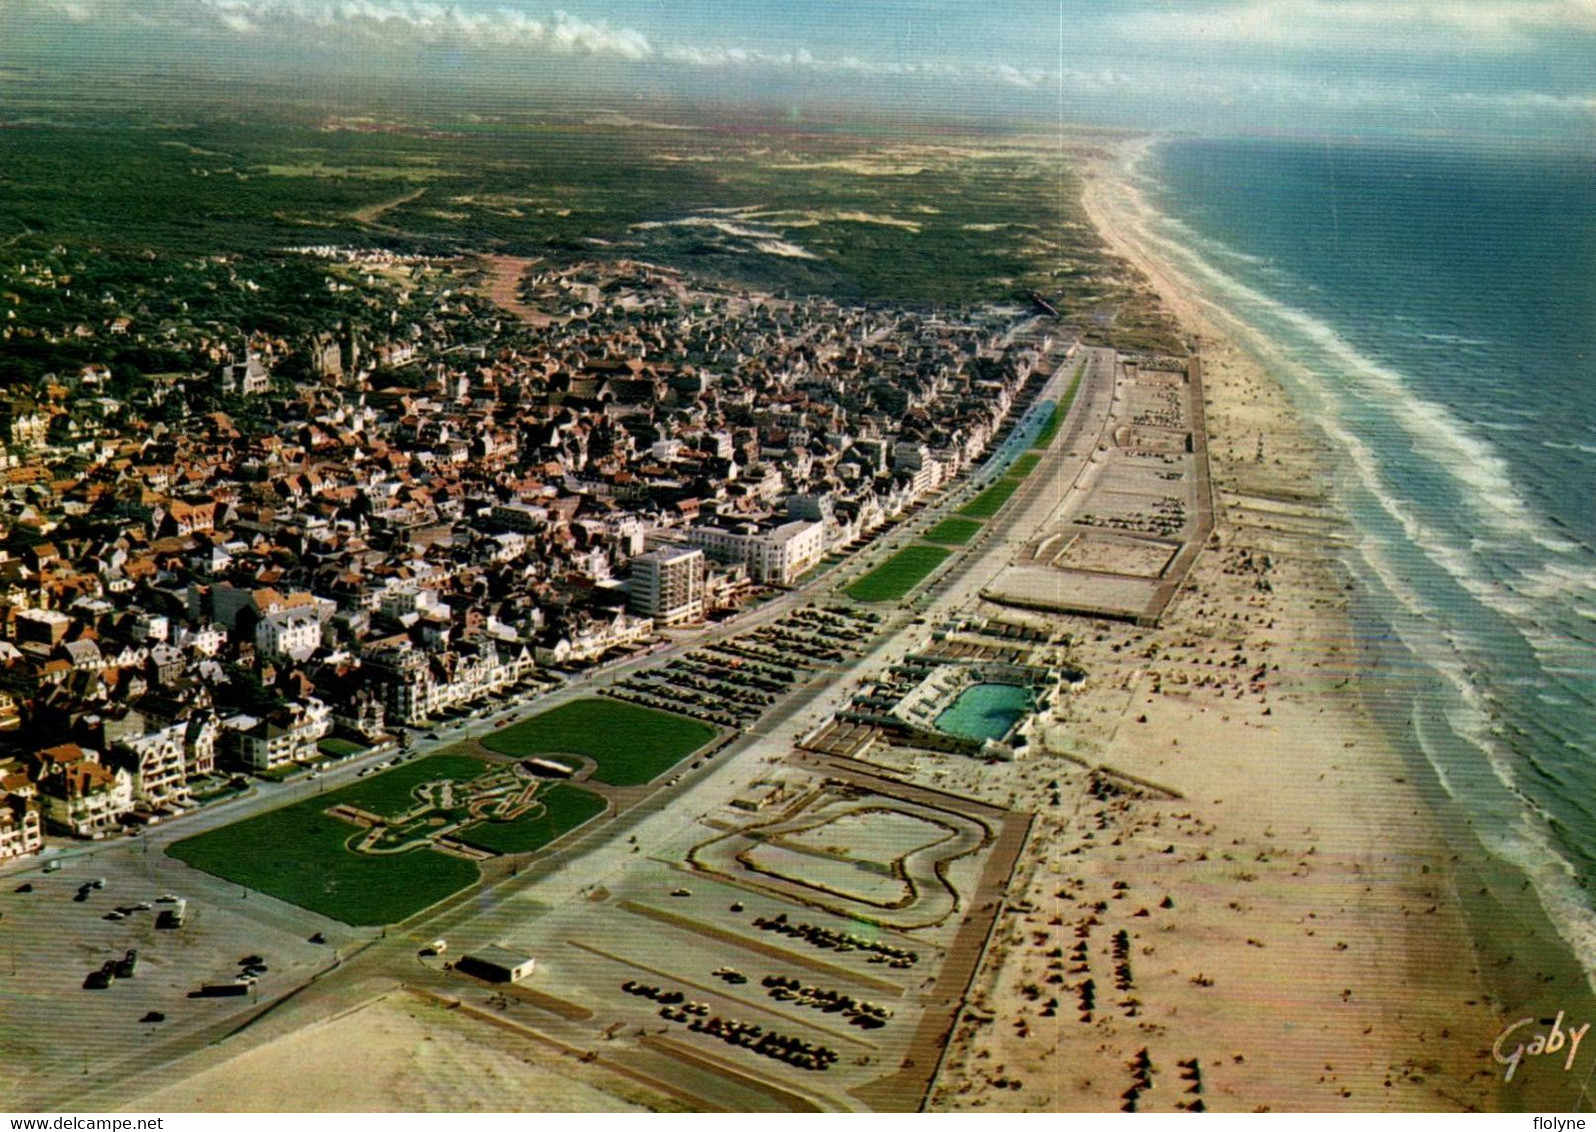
(668, 585)
(79, 795)
(21, 828)
(778, 555)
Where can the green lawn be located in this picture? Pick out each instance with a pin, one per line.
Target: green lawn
(1056, 417)
(565, 808)
(339, 748)
(298, 854)
(388, 794)
(990, 501)
(953, 532)
(899, 574)
(1025, 465)
(631, 744)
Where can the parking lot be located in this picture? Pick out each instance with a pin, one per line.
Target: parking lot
(51, 940)
(733, 682)
(758, 988)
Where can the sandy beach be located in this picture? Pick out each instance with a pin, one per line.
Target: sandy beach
(1256, 901)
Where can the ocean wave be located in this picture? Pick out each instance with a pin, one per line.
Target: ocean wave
(1554, 579)
(1434, 430)
(1455, 339)
(1558, 544)
(1569, 446)
(1528, 848)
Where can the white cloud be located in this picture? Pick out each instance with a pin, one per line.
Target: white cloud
(1191, 57)
(1381, 25)
(800, 60)
(571, 35)
(393, 21)
(397, 22)
(1529, 101)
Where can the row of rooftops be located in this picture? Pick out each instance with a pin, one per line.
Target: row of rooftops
(504, 475)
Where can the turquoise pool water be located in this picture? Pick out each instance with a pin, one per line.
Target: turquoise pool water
(985, 711)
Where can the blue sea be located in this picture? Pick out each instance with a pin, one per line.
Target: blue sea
(1431, 305)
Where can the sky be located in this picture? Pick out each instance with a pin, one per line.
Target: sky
(1510, 67)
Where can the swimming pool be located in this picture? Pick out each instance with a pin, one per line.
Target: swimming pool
(986, 711)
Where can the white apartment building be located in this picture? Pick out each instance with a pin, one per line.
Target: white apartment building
(286, 736)
(158, 762)
(668, 585)
(294, 633)
(777, 556)
(416, 684)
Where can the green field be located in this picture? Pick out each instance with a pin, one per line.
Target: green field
(990, 501)
(953, 532)
(899, 574)
(1060, 411)
(87, 172)
(565, 808)
(339, 748)
(631, 744)
(389, 793)
(299, 854)
(155, 219)
(1025, 465)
